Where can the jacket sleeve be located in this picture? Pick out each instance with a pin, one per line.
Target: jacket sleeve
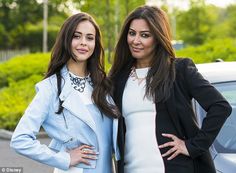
(24, 137)
(217, 108)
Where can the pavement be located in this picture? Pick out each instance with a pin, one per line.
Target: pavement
(11, 162)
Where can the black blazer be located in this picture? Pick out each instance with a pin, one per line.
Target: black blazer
(176, 116)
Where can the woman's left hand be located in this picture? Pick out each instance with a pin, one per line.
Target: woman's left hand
(178, 147)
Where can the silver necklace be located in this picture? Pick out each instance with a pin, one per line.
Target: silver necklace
(79, 83)
(133, 74)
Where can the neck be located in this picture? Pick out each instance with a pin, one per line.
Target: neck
(142, 64)
(77, 68)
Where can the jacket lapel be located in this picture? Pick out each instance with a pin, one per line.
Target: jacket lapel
(171, 108)
(114, 136)
(120, 82)
(73, 103)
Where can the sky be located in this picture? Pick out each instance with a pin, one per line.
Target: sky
(184, 3)
(221, 3)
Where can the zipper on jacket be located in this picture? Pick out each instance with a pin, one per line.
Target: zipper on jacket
(66, 125)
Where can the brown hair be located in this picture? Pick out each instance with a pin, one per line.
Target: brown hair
(62, 52)
(161, 75)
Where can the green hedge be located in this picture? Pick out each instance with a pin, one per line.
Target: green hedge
(17, 79)
(224, 49)
(22, 67)
(14, 100)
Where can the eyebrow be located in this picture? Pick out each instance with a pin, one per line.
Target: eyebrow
(77, 32)
(140, 31)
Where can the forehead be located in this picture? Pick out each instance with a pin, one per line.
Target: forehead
(139, 25)
(85, 27)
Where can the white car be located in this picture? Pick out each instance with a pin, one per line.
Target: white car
(223, 76)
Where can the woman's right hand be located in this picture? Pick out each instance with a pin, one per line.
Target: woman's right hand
(82, 154)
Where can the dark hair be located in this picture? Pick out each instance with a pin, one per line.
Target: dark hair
(161, 75)
(62, 52)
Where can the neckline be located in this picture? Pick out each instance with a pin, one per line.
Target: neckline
(80, 83)
(136, 73)
(80, 77)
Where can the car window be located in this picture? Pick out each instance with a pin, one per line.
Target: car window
(226, 139)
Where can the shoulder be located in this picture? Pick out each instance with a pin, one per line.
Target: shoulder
(181, 63)
(50, 83)
(185, 69)
(47, 84)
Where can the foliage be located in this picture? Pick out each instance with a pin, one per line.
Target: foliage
(17, 79)
(14, 100)
(3, 36)
(110, 14)
(231, 16)
(22, 67)
(32, 36)
(17, 18)
(224, 49)
(194, 24)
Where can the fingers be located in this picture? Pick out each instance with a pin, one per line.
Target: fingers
(83, 154)
(87, 156)
(177, 147)
(86, 147)
(168, 144)
(86, 162)
(169, 152)
(89, 151)
(173, 137)
(176, 153)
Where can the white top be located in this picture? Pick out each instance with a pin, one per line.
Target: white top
(141, 148)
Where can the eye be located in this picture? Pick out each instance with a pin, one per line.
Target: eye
(131, 33)
(145, 35)
(90, 38)
(77, 36)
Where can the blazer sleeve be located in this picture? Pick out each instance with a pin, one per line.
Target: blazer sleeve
(217, 108)
(24, 137)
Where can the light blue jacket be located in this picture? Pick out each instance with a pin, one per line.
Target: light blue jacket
(70, 129)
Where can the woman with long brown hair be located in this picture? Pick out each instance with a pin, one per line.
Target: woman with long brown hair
(73, 105)
(157, 132)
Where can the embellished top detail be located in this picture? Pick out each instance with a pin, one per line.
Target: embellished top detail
(79, 83)
(135, 76)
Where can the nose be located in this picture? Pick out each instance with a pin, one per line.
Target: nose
(83, 41)
(136, 40)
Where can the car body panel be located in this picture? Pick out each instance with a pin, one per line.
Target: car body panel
(218, 72)
(222, 75)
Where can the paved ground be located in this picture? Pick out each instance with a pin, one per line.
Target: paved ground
(10, 159)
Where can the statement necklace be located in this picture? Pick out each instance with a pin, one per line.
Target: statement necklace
(134, 76)
(79, 83)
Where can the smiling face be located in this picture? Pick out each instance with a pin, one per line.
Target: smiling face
(83, 42)
(141, 42)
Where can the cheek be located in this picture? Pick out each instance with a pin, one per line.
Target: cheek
(129, 40)
(92, 46)
(150, 44)
(73, 43)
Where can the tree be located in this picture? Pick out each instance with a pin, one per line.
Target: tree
(110, 14)
(194, 24)
(231, 15)
(17, 15)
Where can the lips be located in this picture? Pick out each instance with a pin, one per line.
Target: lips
(136, 49)
(82, 50)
